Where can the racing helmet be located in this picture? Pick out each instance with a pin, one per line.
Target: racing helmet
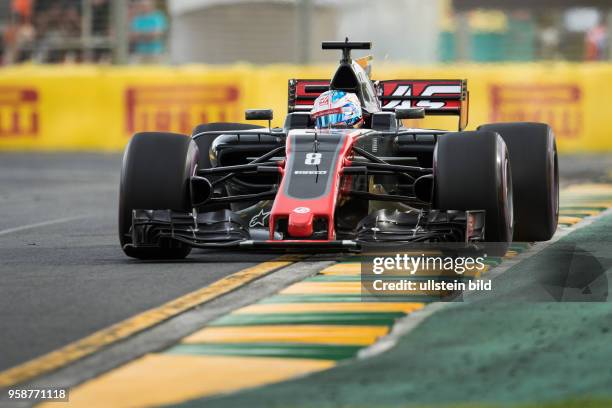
(336, 109)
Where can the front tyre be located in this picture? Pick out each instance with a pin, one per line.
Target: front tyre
(472, 172)
(535, 174)
(155, 175)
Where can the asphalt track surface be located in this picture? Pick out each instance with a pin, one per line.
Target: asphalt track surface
(62, 273)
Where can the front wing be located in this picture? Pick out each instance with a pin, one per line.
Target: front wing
(226, 229)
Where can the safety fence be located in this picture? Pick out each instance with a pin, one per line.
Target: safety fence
(99, 107)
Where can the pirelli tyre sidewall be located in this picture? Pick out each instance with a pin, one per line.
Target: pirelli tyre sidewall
(535, 174)
(155, 175)
(472, 172)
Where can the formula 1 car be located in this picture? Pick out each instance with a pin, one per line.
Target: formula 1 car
(300, 187)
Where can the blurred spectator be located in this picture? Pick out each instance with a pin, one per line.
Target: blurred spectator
(57, 23)
(18, 41)
(596, 43)
(23, 8)
(20, 34)
(52, 31)
(148, 29)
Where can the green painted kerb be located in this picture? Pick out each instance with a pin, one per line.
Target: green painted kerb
(368, 319)
(283, 350)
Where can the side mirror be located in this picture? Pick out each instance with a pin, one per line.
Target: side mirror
(258, 114)
(410, 113)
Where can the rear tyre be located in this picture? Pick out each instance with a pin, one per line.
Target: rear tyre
(155, 175)
(472, 172)
(535, 177)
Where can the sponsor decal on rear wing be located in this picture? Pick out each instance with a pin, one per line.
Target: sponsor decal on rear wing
(437, 96)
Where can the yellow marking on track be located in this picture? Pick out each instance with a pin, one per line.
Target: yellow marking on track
(582, 212)
(582, 189)
(569, 220)
(353, 268)
(510, 254)
(322, 288)
(406, 307)
(589, 202)
(308, 334)
(94, 342)
(164, 379)
(350, 288)
(587, 195)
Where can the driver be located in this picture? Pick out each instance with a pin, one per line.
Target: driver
(337, 109)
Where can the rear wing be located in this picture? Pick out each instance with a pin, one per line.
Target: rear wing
(437, 96)
(303, 92)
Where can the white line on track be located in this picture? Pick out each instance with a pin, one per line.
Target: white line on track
(40, 224)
